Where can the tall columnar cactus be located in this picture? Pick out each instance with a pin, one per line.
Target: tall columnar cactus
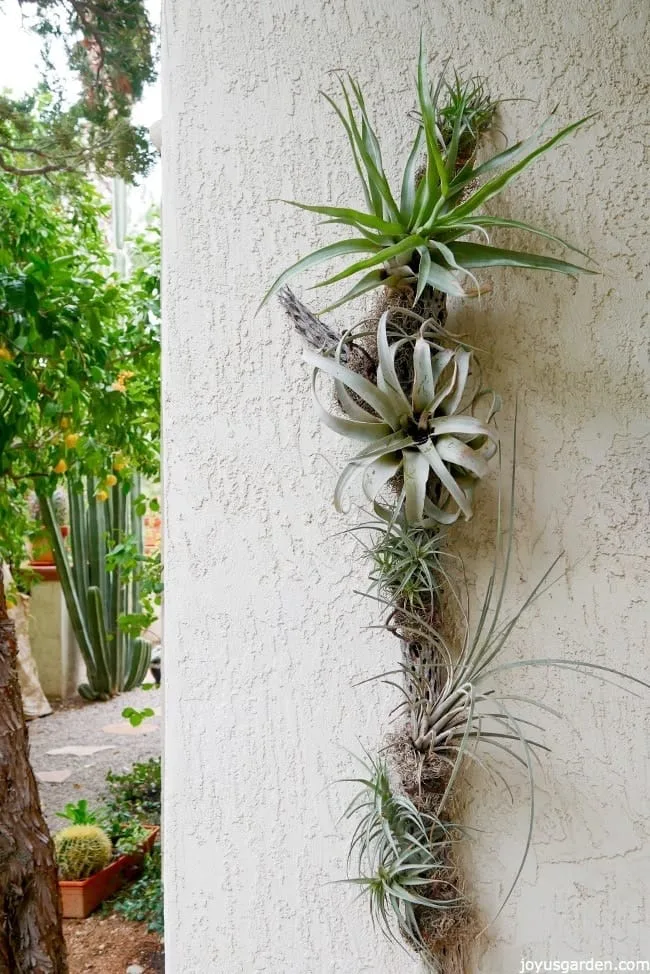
(97, 596)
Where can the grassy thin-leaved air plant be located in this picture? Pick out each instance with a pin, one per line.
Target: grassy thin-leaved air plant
(461, 713)
(419, 432)
(400, 856)
(418, 236)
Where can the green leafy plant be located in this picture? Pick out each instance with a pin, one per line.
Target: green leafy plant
(142, 901)
(401, 855)
(79, 813)
(79, 349)
(134, 566)
(137, 791)
(81, 851)
(417, 432)
(418, 238)
(135, 717)
(124, 830)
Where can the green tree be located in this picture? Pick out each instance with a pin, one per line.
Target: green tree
(79, 347)
(111, 50)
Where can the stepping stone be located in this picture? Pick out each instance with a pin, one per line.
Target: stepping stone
(124, 727)
(53, 777)
(82, 750)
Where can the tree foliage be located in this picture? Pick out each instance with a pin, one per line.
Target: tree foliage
(110, 46)
(79, 347)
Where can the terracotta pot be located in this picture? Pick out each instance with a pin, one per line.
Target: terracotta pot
(40, 548)
(79, 898)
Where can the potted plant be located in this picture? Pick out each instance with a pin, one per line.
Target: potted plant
(96, 855)
(40, 546)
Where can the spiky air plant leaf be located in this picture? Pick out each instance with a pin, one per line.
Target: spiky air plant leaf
(401, 857)
(416, 237)
(418, 432)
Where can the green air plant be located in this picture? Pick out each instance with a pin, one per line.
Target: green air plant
(96, 596)
(81, 851)
(418, 238)
(407, 562)
(417, 432)
(402, 857)
(466, 102)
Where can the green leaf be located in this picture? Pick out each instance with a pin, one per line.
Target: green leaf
(352, 217)
(407, 197)
(340, 249)
(497, 221)
(368, 282)
(498, 183)
(481, 255)
(384, 255)
(427, 108)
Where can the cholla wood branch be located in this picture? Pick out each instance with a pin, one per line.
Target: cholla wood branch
(409, 395)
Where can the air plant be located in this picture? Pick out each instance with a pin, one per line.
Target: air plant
(468, 100)
(407, 561)
(418, 239)
(458, 711)
(417, 432)
(401, 855)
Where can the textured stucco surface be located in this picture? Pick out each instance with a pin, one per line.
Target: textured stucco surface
(263, 636)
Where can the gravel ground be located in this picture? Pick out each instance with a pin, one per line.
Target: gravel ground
(90, 725)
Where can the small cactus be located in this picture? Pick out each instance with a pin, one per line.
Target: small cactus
(81, 851)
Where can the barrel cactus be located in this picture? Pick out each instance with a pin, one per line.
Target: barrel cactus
(81, 851)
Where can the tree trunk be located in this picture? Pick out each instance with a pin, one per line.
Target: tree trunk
(31, 932)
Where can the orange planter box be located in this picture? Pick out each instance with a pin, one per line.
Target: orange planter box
(80, 897)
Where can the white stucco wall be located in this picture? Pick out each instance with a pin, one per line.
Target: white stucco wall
(263, 636)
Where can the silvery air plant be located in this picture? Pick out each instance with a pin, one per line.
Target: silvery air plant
(421, 431)
(409, 393)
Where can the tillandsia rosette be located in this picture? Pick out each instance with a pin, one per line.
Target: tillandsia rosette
(418, 236)
(421, 430)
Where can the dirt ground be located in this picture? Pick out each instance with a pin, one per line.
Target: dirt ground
(108, 945)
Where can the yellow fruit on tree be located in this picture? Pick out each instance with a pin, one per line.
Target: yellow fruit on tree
(64, 422)
(60, 467)
(101, 495)
(5, 354)
(119, 464)
(71, 440)
(111, 480)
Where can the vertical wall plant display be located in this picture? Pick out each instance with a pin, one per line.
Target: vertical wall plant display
(410, 394)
